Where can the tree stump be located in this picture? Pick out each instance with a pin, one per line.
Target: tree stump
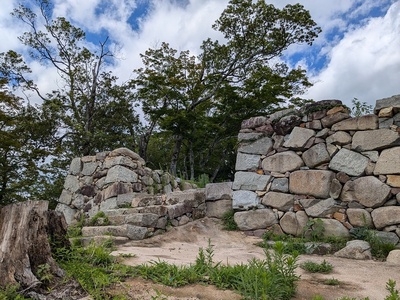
(25, 232)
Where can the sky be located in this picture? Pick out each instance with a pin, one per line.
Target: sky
(357, 55)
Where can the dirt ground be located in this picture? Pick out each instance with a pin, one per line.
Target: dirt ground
(180, 245)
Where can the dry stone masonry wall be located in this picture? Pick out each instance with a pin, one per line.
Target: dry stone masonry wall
(118, 183)
(292, 166)
(319, 162)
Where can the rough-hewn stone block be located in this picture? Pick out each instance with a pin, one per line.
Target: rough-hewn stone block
(311, 182)
(255, 219)
(282, 162)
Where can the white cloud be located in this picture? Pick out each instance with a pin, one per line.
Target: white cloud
(365, 64)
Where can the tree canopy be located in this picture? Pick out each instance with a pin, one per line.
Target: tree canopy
(193, 105)
(230, 80)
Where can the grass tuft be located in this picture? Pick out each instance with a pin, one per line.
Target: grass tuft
(313, 267)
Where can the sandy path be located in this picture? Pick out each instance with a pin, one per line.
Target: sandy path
(181, 245)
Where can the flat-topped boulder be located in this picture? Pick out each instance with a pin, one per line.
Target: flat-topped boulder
(375, 139)
(367, 122)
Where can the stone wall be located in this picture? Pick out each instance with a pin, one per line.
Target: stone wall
(292, 166)
(319, 162)
(116, 179)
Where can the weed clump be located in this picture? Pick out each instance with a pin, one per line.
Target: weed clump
(313, 267)
(271, 278)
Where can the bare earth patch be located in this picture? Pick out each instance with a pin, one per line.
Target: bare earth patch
(180, 246)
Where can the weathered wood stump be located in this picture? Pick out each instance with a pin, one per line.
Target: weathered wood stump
(25, 231)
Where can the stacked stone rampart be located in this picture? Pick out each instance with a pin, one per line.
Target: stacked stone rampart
(119, 179)
(319, 162)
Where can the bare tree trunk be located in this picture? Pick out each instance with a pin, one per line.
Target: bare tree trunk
(175, 154)
(25, 230)
(191, 160)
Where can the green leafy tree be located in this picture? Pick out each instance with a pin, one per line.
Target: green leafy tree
(88, 95)
(187, 96)
(26, 135)
(88, 113)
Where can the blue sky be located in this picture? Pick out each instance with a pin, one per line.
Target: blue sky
(356, 55)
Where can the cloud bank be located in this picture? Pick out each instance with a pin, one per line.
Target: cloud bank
(357, 54)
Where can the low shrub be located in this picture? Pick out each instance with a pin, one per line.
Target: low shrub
(313, 267)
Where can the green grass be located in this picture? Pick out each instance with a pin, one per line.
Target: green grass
(379, 249)
(99, 219)
(11, 293)
(271, 278)
(332, 281)
(93, 267)
(313, 267)
(229, 221)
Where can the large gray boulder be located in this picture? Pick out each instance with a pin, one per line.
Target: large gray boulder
(316, 155)
(349, 162)
(329, 120)
(280, 185)
(359, 217)
(218, 191)
(67, 211)
(249, 136)
(246, 162)
(375, 139)
(387, 237)
(311, 182)
(386, 216)
(130, 231)
(388, 162)
(298, 138)
(250, 181)
(333, 228)
(280, 201)
(261, 146)
(282, 162)
(355, 249)
(76, 166)
(368, 191)
(217, 209)
(393, 101)
(339, 138)
(394, 257)
(255, 219)
(367, 122)
(294, 222)
(244, 199)
(121, 174)
(322, 208)
(71, 184)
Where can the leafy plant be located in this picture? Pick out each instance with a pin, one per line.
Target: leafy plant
(202, 180)
(99, 218)
(360, 108)
(313, 267)
(11, 293)
(229, 221)
(44, 273)
(314, 229)
(391, 287)
(379, 248)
